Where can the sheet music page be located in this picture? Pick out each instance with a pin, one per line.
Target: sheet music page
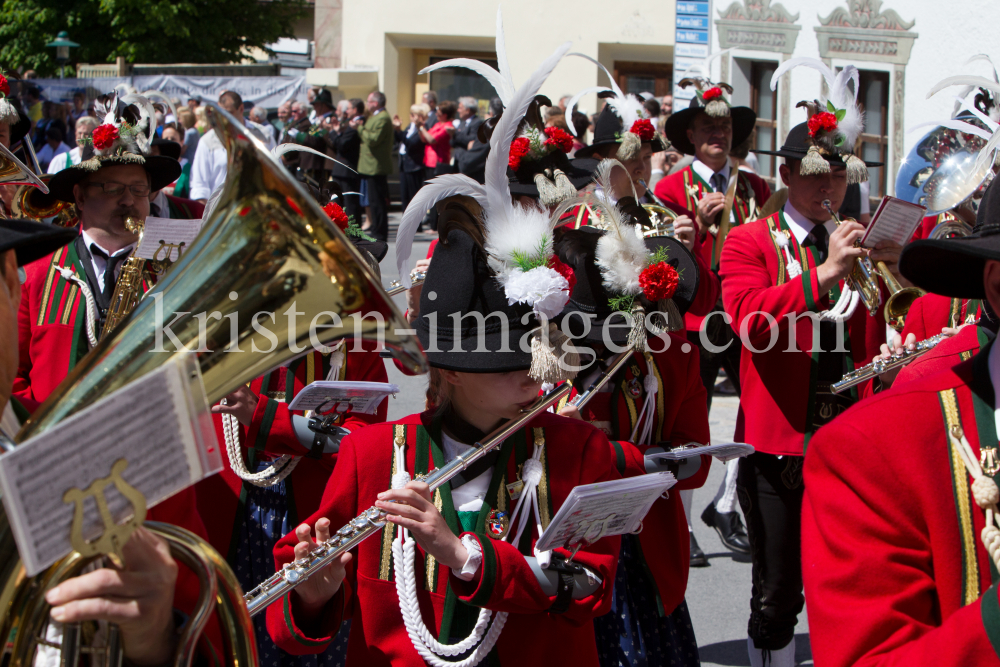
(170, 233)
(724, 452)
(895, 220)
(363, 397)
(149, 423)
(603, 509)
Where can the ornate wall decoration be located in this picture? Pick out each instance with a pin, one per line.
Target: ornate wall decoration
(758, 10)
(866, 14)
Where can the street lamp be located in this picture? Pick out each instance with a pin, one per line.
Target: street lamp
(62, 45)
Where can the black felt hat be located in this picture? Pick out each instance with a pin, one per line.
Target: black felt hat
(954, 267)
(608, 130)
(590, 296)
(460, 283)
(168, 148)
(797, 145)
(677, 125)
(32, 240)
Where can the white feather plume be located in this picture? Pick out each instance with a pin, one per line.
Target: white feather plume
(621, 254)
(523, 230)
(571, 107)
(839, 94)
(703, 68)
(987, 153)
(151, 94)
(433, 191)
(502, 80)
(281, 149)
(146, 126)
(497, 186)
(627, 107)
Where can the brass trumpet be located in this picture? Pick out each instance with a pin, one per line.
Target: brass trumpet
(863, 279)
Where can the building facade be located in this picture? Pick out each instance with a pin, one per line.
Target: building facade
(902, 49)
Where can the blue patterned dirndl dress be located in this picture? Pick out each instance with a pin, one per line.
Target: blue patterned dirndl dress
(265, 521)
(633, 634)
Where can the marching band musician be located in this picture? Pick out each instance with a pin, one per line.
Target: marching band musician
(474, 561)
(141, 599)
(783, 283)
(249, 506)
(658, 394)
(896, 572)
(708, 130)
(67, 296)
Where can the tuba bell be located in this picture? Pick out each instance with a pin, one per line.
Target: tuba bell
(31, 202)
(14, 172)
(266, 248)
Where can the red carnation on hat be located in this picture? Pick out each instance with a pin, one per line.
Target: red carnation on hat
(558, 138)
(644, 129)
(4, 86)
(711, 94)
(822, 122)
(104, 136)
(518, 149)
(337, 216)
(658, 281)
(563, 270)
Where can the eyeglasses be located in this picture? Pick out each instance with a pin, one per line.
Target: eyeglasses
(113, 189)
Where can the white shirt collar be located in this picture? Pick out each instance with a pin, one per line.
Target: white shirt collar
(801, 226)
(89, 240)
(162, 204)
(705, 172)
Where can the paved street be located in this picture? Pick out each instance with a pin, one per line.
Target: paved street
(718, 596)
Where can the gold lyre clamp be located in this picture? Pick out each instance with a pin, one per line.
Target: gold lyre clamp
(115, 535)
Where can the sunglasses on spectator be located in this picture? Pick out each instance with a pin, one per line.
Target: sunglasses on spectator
(113, 189)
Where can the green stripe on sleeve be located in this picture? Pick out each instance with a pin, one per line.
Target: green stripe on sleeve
(990, 607)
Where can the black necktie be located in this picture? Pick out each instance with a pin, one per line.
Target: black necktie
(820, 239)
(718, 182)
(111, 267)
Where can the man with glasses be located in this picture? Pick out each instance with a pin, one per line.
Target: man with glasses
(66, 295)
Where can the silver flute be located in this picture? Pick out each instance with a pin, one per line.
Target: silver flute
(879, 366)
(372, 520)
(396, 287)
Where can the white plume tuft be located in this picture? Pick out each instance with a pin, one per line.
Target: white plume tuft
(436, 189)
(621, 258)
(525, 230)
(840, 95)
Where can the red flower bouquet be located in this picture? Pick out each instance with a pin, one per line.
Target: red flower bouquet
(658, 281)
(644, 129)
(711, 94)
(822, 122)
(4, 86)
(104, 136)
(337, 216)
(518, 149)
(558, 138)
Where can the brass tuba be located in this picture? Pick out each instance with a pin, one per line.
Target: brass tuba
(14, 172)
(266, 247)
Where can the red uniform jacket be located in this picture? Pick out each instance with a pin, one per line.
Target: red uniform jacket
(894, 569)
(575, 453)
(685, 189)
(681, 417)
(946, 354)
(270, 434)
(51, 324)
(185, 209)
(779, 386)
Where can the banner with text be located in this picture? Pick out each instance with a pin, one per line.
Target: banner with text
(266, 91)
